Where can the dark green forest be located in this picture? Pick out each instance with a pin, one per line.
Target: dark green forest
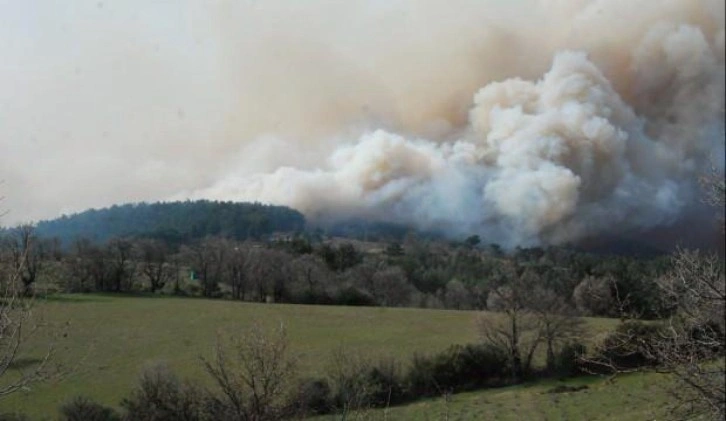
(174, 222)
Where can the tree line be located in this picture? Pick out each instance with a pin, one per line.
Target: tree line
(307, 268)
(536, 293)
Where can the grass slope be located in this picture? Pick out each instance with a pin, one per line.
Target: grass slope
(111, 338)
(114, 337)
(633, 397)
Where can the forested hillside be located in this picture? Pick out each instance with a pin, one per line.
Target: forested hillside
(175, 222)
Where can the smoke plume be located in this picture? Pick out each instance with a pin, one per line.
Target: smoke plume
(526, 122)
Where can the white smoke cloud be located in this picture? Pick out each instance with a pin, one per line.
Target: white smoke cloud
(527, 122)
(546, 161)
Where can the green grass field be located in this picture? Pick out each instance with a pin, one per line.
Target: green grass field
(633, 397)
(111, 338)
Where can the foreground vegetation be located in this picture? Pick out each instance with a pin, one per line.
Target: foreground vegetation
(111, 339)
(252, 375)
(633, 397)
(116, 336)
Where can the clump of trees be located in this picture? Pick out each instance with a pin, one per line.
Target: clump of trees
(530, 316)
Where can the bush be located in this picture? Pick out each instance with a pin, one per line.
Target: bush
(161, 396)
(353, 296)
(359, 383)
(314, 397)
(456, 369)
(315, 297)
(193, 289)
(632, 345)
(384, 384)
(252, 372)
(568, 362)
(82, 408)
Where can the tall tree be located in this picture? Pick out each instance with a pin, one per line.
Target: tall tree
(693, 344)
(516, 330)
(207, 258)
(28, 255)
(153, 256)
(557, 323)
(122, 266)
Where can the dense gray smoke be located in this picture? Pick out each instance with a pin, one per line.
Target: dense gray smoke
(526, 122)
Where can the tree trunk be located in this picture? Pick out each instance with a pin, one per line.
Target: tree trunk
(550, 356)
(516, 358)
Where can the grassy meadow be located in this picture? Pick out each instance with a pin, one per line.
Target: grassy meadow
(633, 397)
(105, 341)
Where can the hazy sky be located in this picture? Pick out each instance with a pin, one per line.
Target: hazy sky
(109, 101)
(128, 100)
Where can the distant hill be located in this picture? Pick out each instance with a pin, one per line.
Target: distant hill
(175, 222)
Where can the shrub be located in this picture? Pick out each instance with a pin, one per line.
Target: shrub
(160, 395)
(352, 296)
(315, 297)
(568, 362)
(384, 384)
(252, 371)
(632, 345)
(360, 383)
(314, 397)
(193, 289)
(458, 368)
(82, 408)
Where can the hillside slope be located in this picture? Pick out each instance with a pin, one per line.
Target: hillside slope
(175, 221)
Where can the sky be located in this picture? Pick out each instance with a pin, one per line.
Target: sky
(524, 121)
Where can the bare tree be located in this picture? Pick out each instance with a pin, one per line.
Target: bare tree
(154, 257)
(207, 259)
(79, 267)
(251, 371)
(692, 343)
(714, 189)
(175, 263)
(391, 288)
(557, 323)
(268, 272)
(517, 331)
(457, 295)
(28, 255)
(100, 267)
(122, 266)
(161, 395)
(594, 296)
(17, 323)
(348, 375)
(236, 274)
(310, 278)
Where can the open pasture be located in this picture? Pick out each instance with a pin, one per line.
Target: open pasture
(109, 339)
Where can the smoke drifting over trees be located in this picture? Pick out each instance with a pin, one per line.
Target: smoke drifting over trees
(526, 122)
